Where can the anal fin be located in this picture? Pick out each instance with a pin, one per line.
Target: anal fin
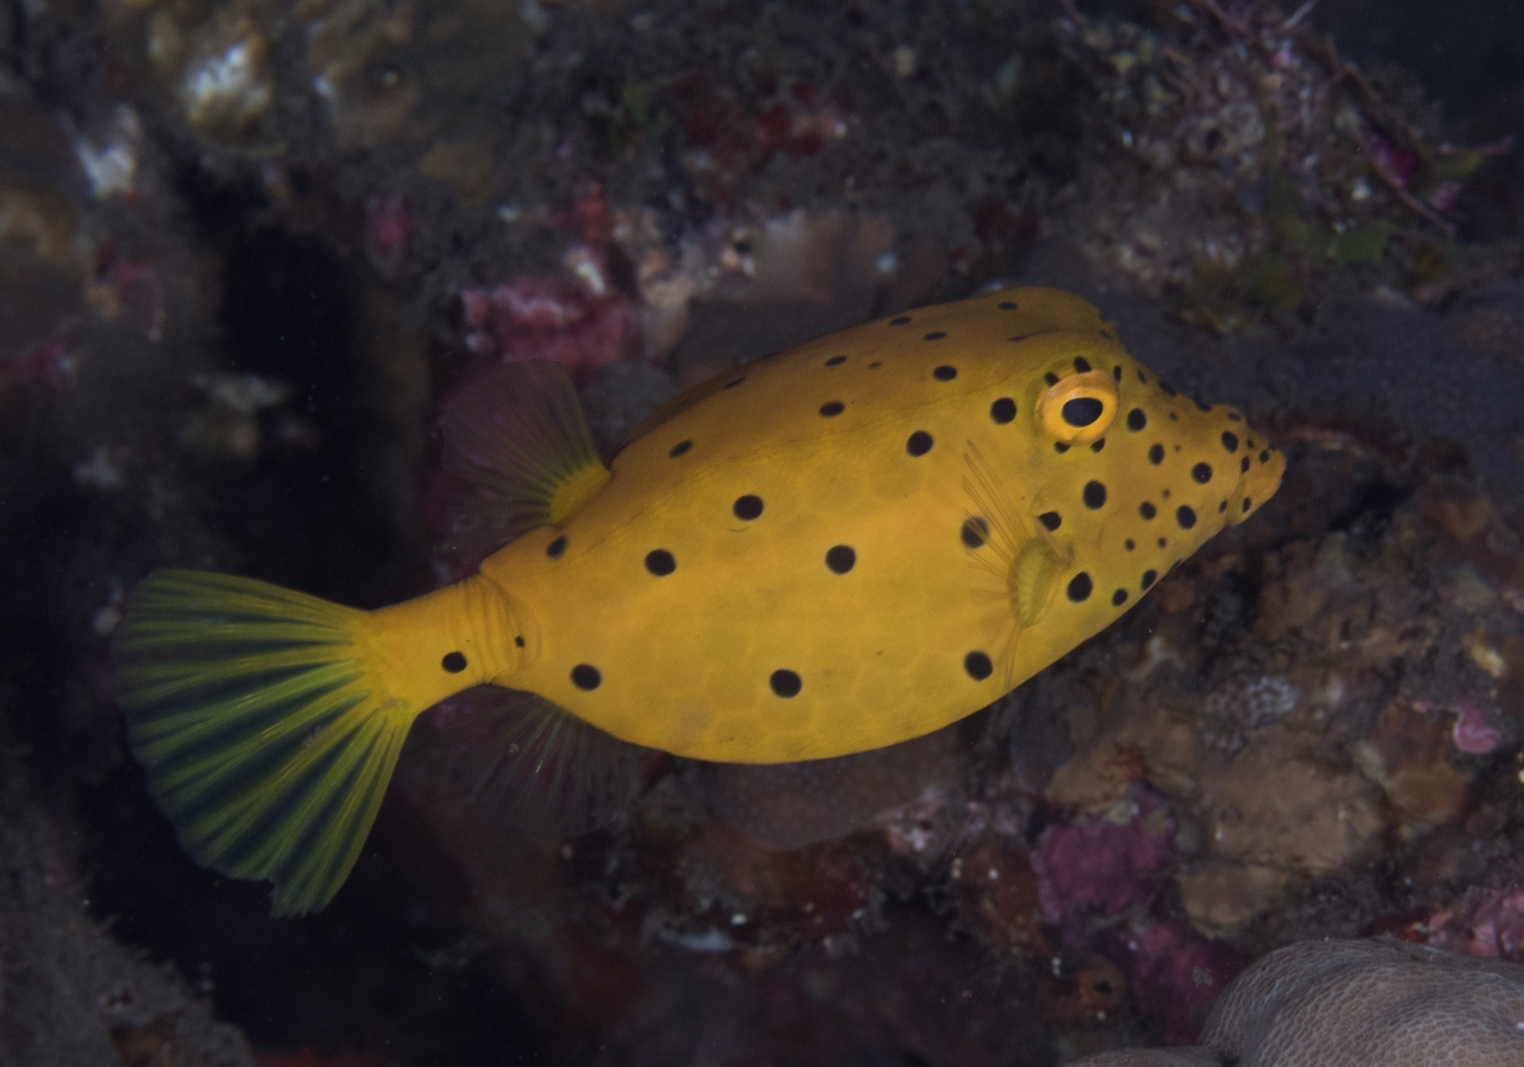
(519, 760)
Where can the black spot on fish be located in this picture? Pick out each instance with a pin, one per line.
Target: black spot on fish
(1082, 364)
(1099, 444)
(1163, 542)
(919, 443)
(1222, 506)
(785, 683)
(1234, 416)
(1119, 598)
(978, 666)
(945, 373)
(1174, 418)
(1230, 441)
(900, 320)
(974, 532)
(1147, 510)
(586, 676)
(1051, 519)
(1142, 377)
(1050, 378)
(747, 507)
(735, 382)
(1129, 544)
(1003, 410)
(835, 407)
(1248, 504)
(1079, 587)
(874, 365)
(1060, 447)
(1082, 411)
(1185, 516)
(1202, 472)
(679, 448)
(1006, 305)
(1164, 387)
(519, 641)
(1264, 457)
(1136, 420)
(1116, 373)
(454, 662)
(556, 547)
(1148, 578)
(835, 361)
(841, 558)
(1201, 406)
(1243, 465)
(660, 562)
(935, 335)
(1094, 495)
(1156, 454)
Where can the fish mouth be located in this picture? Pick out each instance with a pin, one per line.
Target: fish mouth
(1259, 483)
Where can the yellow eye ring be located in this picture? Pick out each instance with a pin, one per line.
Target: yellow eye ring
(1079, 408)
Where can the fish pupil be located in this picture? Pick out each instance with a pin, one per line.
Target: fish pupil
(1082, 411)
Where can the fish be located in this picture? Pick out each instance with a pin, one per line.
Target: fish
(840, 547)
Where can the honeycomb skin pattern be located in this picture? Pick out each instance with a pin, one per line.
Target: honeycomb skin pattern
(1381, 1003)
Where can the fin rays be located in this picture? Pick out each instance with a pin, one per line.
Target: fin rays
(250, 710)
(1003, 539)
(516, 438)
(525, 761)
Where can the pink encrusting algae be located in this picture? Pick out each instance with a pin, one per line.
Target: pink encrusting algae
(534, 318)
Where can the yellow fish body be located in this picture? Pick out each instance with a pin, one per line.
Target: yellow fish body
(846, 545)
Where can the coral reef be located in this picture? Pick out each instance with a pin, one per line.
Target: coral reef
(246, 246)
(1357, 1002)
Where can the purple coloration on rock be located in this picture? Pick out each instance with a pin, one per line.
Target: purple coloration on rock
(1176, 975)
(1095, 865)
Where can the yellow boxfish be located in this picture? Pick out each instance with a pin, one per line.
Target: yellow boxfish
(845, 545)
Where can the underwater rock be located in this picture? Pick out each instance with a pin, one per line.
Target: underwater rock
(531, 318)
(1406, 756)
(1108, 864)
(1483, 922)
(73, 996)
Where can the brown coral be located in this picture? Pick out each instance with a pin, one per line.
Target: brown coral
(1348, 1003)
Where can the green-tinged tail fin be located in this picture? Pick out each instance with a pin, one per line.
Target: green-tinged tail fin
(265, 731)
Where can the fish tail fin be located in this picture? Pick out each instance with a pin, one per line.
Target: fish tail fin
(269, 723)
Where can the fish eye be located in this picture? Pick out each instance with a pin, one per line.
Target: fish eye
(1082, 411)
(1078, 408)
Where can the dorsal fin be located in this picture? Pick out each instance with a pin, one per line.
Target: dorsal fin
(517, 442)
